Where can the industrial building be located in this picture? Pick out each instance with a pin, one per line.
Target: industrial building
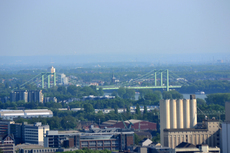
(11, 114)
(92, 97)
(27, 96)
(96, 139)
(178, 123)
(135, 124)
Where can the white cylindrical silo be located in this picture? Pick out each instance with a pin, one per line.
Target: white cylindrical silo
(180, 114)
(186, 109)
(164, 118)
(167, 113)
(193, 113)
(173, 114)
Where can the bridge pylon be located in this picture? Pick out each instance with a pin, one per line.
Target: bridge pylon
(48, 79)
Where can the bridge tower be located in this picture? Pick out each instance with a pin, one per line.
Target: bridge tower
(50, 74)
(48, 79)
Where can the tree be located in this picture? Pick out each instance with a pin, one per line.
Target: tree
(156, 139)
(61, 89)
(201, 101)
(145, 110)
(100, 91)
(167, 95)
(114, 93)
(121, 91)
(88, 108)
(138, 112)
(136, 139)
(151, 96)
(144, 92)
(218, 98)
(116, 110)
(72, 89)
(130, 94)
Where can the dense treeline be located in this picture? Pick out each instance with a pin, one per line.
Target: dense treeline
(218, 98)
(209, 86)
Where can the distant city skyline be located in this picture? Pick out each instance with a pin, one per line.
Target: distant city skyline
(121, 28)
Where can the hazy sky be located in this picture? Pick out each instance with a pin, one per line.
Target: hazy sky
(81, 27)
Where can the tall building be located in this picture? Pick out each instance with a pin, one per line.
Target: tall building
(29, 133)
(17, 95)
(34, 133)
(225, 132)
(64, 79)
(52, 69)
(178, 123)
(35, 96)
(27, 96)
(5, 126)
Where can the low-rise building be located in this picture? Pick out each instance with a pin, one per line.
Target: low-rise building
(96, 139)
(11, 114)
(92, 97)
(135, 124)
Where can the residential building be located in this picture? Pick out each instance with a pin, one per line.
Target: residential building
(7, 143)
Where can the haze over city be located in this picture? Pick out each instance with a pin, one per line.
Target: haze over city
(114, 31)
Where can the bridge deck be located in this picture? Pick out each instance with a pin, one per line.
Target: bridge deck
(139, 87)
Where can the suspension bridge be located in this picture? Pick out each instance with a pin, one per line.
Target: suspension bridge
(159, 79)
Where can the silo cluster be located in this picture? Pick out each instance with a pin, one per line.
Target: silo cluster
(178, 114)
